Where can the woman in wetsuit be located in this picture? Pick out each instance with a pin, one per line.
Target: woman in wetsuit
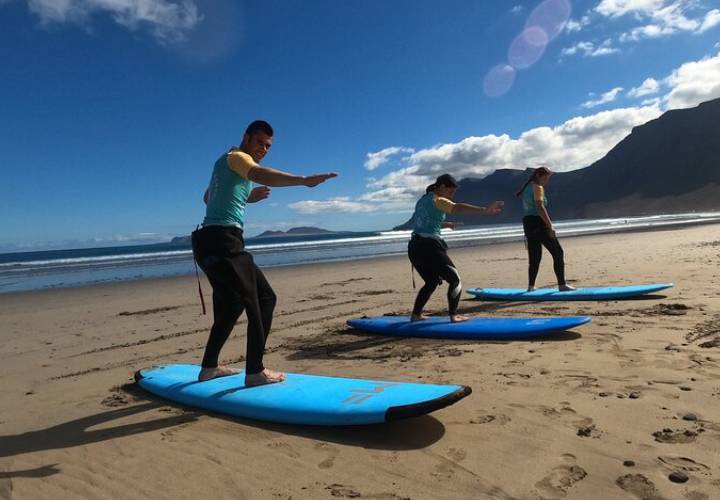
(539, 229)
(428, 251)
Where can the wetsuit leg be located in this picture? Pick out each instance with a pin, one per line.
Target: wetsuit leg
(422, 254)
(237, 285)
(227, 308)
(533, 228)
(449, 273)
(558, 255)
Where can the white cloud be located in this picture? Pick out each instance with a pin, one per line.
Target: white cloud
(711, 20)
(589, 49)
(574, 144)
(375, 160)
(649, 86)
(605, 98)
(618, 8)
(573, 26)
(168, 20)
(517, 9)
(336, 205)
(694, 82)
(660, 17)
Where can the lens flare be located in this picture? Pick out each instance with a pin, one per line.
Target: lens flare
(499, 80)
(550, 16)
(527, 48)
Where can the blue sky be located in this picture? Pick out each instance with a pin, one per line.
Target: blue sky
(114, 111)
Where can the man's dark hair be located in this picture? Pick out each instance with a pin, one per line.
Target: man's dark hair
(259, 126)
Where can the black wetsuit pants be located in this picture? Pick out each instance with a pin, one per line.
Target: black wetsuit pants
(537, 235)
(429, 257)
(238, 285)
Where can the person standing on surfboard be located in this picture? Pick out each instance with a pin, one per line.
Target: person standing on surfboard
(428, 251)
(539, 229)
(218, 247)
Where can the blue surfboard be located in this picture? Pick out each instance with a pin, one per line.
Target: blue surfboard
(473, 329)
(595, 293)
(301, 399)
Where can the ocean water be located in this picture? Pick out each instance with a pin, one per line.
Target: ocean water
(24, 271)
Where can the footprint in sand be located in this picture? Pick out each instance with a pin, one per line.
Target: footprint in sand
(565, 413)
(457, 454)
(696, 495)
(675, 436)
(340, 490)
(639, 486)
(683, 464)
(332, 451)
(284, 447)
(487, 418)
(561, 479)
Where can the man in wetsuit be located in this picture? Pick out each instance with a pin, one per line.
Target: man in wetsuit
(238, 284)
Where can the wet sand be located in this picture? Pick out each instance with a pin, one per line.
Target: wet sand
(608, 410)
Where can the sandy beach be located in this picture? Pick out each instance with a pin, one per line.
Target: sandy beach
(608, 410)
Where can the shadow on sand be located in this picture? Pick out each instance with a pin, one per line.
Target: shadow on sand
(77, 432)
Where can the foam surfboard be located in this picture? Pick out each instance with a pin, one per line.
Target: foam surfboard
(301, 399)
(594, 293)
(472, 329)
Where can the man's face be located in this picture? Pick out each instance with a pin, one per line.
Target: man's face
(257, 145)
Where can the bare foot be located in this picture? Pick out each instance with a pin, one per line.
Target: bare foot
(566, 288)
(219, 371)
(264, 377)
(531, 289)
(458, 318)
(416, 317)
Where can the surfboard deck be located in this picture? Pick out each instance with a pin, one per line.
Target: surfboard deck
(473, 329)
(301, 399)
(592, 293)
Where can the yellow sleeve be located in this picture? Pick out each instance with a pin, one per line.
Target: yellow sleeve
(443, 204)
(241, 163)
(538, 192)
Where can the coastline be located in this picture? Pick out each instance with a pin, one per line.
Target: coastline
(123, 264)
(548, 418)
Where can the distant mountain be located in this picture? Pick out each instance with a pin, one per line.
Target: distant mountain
(668, 165)
(295, 231)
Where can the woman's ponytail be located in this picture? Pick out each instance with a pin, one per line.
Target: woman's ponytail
(533, 177)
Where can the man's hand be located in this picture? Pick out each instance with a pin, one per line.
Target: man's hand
(495, 208)
(258, 194)
(314, 180)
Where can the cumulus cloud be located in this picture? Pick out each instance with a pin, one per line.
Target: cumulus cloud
(605, 98)
(648, 87)
(375, 160)
(660, 17)
(694, 82)
(168, 20)
(574, 144)
(335, 205)
(575, 25)
(711, 20)
(590, 49)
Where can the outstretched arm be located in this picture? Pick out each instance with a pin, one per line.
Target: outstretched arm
(277, 178)
(242, 164)
(467, 208)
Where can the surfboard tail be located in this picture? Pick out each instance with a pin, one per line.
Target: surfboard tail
(418, 409)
